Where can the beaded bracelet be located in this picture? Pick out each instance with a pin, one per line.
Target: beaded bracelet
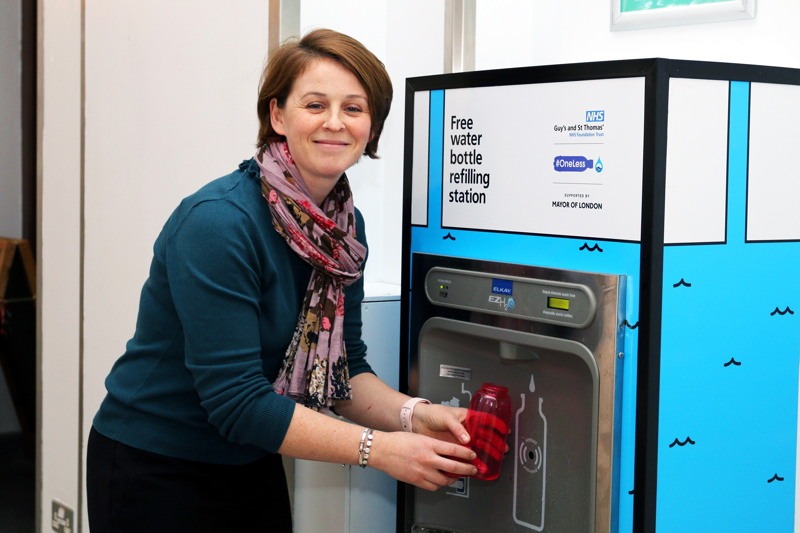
(364, 447)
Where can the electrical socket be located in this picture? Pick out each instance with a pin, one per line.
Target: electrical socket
(63, 518)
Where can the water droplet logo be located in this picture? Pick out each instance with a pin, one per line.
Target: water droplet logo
(598, 167)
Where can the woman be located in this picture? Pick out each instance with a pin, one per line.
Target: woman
(249, 325)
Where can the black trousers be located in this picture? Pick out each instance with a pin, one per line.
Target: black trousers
(133, 491)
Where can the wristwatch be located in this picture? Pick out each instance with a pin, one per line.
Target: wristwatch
(407, 413)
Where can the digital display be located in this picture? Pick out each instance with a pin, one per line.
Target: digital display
(558, 303)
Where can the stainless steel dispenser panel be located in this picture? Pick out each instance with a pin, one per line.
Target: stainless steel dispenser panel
(552, 337)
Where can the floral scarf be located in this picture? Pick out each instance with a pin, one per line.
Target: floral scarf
(314, 370)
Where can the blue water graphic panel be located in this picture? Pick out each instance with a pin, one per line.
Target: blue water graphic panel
(729, 372)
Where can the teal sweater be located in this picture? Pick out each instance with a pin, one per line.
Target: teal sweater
(215, 317)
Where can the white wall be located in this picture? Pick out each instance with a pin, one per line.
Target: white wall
(59, 268)
(519, 33)
(10, 156)
(170, 91)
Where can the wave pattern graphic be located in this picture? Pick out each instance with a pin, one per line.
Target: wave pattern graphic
(593, 248)
(682, 443)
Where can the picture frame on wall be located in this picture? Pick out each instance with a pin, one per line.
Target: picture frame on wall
(641, 14)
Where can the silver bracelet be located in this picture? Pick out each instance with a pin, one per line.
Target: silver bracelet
(364, 446)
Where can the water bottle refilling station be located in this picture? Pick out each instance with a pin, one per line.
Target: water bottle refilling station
(595, 237)
(548, 336)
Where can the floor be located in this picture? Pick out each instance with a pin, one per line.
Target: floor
(17, 485)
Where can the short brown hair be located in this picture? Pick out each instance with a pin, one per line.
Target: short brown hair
(289, 61)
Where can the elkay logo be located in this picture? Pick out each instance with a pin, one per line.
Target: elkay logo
(598, 115)
(502, 286)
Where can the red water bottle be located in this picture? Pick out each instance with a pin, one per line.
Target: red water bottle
(488, 419)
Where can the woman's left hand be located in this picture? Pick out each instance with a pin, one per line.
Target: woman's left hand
(441, 422)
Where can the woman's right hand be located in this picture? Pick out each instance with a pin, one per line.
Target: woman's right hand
(420, 460)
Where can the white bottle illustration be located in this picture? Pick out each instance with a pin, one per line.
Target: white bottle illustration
(530, 463)
(460, 486)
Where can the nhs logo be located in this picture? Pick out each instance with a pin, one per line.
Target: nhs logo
(502, 286)
(596, 116)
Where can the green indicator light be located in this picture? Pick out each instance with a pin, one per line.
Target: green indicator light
(558, 303)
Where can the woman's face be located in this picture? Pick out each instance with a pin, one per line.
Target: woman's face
(326, 123)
